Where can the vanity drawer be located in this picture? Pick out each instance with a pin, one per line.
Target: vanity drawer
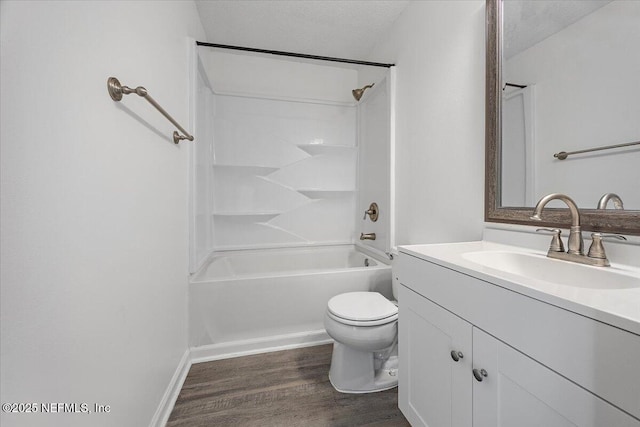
(603, 359)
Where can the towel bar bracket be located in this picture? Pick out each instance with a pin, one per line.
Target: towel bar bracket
(116, 90)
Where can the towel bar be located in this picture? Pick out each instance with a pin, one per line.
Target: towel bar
(116, 90)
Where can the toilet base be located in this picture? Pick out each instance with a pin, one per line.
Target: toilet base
(354, 371)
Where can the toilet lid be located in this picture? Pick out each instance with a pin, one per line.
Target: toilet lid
(362, 306)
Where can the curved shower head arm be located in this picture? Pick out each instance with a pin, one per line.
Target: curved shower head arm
(357, 93)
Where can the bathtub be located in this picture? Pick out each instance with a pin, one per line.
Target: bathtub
(244, 302)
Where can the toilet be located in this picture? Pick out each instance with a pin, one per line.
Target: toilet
(364, 326)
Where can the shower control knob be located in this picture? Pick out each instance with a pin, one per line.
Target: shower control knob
(456, 355)
(372, 212)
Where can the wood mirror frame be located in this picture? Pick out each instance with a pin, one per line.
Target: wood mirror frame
(621, 222)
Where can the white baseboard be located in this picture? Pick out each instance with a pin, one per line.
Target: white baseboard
(161, 416)
(259, 345)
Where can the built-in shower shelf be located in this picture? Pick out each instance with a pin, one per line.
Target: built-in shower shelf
(317, 149)
(246, 169)
(313, 193)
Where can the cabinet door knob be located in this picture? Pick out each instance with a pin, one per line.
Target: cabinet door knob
(479, 374)
(456, 355)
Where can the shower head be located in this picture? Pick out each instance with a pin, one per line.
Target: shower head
(357, 93)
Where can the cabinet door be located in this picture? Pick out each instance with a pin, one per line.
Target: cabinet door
(518, 391)
(434, 390)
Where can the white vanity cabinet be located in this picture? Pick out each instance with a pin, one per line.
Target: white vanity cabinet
(521, 392)
(543, 365)
(435, 388)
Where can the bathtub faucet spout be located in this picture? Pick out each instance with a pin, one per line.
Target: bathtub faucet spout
(367, 236)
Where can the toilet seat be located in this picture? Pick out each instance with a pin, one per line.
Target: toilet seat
(362, 309)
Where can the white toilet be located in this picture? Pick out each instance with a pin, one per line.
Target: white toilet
(364, 326)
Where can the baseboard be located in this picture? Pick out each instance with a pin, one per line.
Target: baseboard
(259, 345)
(161, 416)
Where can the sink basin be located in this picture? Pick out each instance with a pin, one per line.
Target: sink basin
(539, 267)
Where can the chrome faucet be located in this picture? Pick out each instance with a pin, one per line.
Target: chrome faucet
(617, 201)
(596, 255)
(575, 235)
(367, 236)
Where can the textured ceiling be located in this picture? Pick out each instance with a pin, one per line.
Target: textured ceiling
(529, 22)
(339, 28)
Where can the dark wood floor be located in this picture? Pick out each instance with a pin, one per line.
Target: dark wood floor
(285, 388)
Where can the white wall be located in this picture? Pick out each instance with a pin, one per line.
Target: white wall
(586, 95)
(94, 207)
(439, 51)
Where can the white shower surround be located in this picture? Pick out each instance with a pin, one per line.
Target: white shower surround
(245, 302)
(276, 159)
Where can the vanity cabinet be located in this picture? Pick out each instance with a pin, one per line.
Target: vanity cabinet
(435, 388)
(520, 361)
(518, 391)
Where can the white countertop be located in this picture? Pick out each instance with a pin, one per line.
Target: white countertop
(619, 307)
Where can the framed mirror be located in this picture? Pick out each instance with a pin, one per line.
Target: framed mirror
(536, 112)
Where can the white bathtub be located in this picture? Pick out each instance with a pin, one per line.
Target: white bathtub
(245, 302)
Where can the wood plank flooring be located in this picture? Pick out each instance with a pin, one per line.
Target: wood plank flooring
(285, 388)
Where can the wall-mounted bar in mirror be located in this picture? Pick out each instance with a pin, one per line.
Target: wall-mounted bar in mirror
(564, 154)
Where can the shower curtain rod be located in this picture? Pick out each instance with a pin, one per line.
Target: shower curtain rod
(296, 55)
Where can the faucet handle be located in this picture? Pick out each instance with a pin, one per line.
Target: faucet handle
(603, 235)
(372, 212)
(596, 250)
(556, 242)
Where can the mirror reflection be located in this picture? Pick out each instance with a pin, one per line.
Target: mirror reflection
(571, 82)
